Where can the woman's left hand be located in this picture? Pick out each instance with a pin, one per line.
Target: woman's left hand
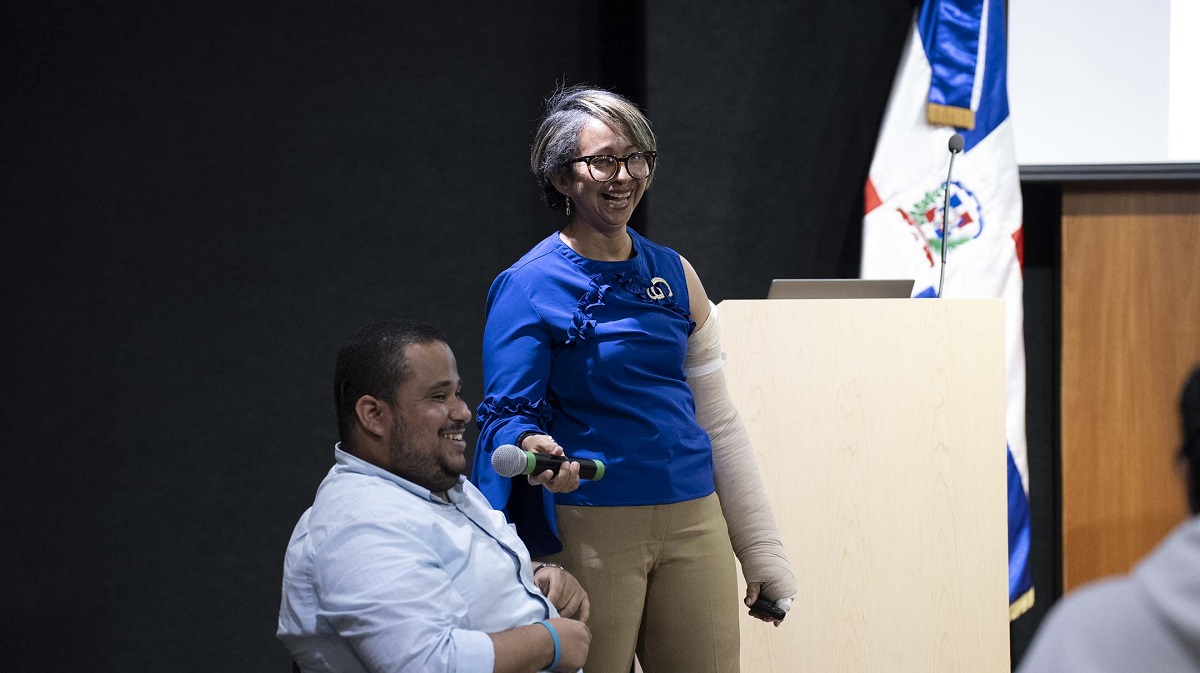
(752, 590)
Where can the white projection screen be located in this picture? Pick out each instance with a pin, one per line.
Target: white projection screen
(1105, 90)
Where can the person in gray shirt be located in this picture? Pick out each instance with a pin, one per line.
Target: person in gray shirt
(1148, 620)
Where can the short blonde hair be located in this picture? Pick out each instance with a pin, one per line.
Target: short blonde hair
(557, 139)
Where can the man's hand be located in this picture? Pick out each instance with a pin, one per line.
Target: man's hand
(564, 592)
(566, 480)
(530, 648)
(576, 638)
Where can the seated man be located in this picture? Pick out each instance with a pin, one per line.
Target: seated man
(1148, 620)
(401, 564)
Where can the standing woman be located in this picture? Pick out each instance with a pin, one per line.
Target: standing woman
(605, 343)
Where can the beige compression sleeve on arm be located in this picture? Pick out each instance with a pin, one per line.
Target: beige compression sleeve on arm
(752, 529)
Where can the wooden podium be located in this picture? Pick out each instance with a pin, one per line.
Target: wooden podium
(878, 425)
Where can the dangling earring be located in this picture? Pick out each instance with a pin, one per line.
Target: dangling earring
(568, 205)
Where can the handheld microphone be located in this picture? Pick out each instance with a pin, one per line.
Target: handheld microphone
(955, 146)
(509, 461)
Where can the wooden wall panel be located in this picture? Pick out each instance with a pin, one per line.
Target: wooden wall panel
(1130, 333)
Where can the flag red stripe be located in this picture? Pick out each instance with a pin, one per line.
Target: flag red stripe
(871, 199)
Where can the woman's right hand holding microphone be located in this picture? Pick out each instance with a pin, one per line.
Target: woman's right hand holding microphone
(566, 480)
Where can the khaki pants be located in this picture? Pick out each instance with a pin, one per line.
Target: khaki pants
(661, 579)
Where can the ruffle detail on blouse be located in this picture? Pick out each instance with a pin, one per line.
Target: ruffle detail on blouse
(493, 408)
(583, 324)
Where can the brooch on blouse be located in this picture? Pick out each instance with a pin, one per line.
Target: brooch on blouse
(655, 292)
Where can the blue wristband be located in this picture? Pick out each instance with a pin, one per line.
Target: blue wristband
(557, 644)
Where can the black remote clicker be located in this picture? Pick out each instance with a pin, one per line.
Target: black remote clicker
(765, 608)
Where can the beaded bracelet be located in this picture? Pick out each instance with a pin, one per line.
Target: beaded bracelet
(557, 644)
(547, 565)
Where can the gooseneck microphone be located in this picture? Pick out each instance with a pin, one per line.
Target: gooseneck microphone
(956, 146)
(509, 461)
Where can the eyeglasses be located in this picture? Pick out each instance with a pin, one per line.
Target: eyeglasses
(604, 167)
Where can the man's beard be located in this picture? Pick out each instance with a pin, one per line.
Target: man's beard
(424, 469)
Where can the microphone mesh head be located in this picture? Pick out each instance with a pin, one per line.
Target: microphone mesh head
(508, 461)
(956, 143)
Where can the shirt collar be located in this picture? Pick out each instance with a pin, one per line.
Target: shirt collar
(345, 462)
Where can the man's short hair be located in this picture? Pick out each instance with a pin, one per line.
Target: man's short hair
(1189, 411)
(374, 362)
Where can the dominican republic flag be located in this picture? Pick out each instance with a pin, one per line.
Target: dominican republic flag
(952, 77)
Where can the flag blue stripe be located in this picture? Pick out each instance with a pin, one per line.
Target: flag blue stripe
(1019, 578)
(993, 105)
(950, 34)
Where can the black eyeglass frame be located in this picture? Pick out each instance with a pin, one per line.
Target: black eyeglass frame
(652, 162)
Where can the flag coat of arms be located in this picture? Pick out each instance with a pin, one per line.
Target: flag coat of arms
(952, 77)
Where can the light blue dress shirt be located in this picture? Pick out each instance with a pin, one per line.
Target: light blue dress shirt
(382, 575)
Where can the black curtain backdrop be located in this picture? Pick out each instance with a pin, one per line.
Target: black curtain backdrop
(767, 115)
(202, 201)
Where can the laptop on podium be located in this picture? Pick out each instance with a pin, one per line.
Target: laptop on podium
(839, 288)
